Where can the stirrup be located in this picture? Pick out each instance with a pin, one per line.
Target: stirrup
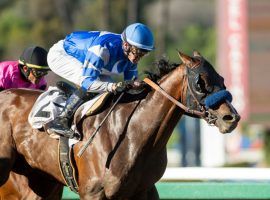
(65, 133)
(58, 128)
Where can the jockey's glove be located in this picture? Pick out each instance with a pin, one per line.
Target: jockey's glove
(126, 85)
(120, 86)
(138, 84)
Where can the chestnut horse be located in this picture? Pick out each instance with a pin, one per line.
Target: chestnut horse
(128, 155)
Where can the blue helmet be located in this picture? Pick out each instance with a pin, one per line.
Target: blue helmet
(139, 35)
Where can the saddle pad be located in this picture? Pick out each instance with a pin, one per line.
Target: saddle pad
(47, 106)
(50, 104)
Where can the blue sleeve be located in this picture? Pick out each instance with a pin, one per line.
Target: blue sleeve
(93, 74)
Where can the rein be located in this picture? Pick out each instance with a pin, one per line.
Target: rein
(179, 104)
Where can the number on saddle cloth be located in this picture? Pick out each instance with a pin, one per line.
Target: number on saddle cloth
(47, 107)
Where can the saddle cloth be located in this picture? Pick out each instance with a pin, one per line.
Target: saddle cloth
(47, 106)
(50, 104)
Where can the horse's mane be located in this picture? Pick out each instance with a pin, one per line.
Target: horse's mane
(160, 68)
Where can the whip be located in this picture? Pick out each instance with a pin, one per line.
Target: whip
(94, 134)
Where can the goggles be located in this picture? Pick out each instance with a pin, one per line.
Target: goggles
(39, 73)
(138, 52)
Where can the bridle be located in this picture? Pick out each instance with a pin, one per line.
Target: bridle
(205, 114)
(201, 113)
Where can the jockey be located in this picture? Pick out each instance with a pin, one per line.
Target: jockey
(89, 58)
(27, 72)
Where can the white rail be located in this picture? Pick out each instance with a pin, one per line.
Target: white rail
(201, 173)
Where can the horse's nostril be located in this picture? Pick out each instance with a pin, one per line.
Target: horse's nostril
(231, 117)
(228, 118)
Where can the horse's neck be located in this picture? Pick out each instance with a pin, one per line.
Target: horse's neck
(152, 119)
(162, 114)
(136, 129)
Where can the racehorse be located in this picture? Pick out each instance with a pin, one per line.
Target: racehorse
(128, 155)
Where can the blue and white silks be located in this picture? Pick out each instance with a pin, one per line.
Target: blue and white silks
(100, 53)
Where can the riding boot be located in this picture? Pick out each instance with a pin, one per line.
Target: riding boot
(61, 124)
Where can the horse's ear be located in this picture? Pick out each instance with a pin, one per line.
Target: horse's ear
(185, 58)
(196, 53)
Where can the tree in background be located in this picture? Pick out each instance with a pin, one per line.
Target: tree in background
(195, 37)
(24, 23)
(43, 22)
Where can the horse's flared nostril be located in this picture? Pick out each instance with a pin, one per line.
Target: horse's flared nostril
(234, 117)
(227, 117)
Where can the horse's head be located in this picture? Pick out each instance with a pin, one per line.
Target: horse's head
(207, 93)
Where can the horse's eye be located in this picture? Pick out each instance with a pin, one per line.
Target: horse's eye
(198, 87)
(199, 83)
